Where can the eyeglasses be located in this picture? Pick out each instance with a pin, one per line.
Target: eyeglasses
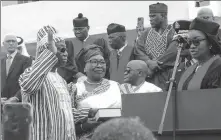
(95, 63)
(195, 42)
(127, 71)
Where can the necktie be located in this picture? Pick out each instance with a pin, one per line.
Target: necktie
(118, 57)
(188, 63)
(8, 64)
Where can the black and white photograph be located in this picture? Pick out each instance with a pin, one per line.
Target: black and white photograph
(110, 70)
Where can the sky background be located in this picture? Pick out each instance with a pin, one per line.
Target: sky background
(25, 19)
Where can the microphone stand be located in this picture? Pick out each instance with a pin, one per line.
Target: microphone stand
(172, 84)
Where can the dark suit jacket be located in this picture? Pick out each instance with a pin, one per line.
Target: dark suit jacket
(10, 83)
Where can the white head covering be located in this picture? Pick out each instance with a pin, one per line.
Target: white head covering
(21, 43)
(42, 38)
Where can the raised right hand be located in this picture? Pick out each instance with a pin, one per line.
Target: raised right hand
(51, 43)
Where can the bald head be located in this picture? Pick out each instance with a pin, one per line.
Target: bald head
(205, 13)
(10, 43)
(136, 72)
(138, 64)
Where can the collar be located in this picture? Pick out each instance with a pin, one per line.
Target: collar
(13, 54)
(121, 49)
(86, 38)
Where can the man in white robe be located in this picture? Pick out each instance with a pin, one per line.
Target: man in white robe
(134, 79)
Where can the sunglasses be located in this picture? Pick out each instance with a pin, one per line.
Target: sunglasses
(127, 71)
(95, 63)
(195, 42)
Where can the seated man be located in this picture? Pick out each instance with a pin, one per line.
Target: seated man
(134, 78)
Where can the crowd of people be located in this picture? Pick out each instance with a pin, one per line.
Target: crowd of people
(70, 79)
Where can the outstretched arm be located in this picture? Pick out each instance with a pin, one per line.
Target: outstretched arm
(33, 77)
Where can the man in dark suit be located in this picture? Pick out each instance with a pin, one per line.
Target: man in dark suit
(13, 65)
(122, 52)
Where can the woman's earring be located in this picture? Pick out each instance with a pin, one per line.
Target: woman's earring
(210, 47)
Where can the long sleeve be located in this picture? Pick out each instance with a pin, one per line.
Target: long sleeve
(139, 50)
(33, 77)
(79, 114)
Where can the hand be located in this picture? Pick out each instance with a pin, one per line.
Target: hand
(12, 100)
(82, 78)
(183, 35)
(3, 100)
(139, 30)
(153, 65)
(51, 44)
(92, 112)
(90, 125)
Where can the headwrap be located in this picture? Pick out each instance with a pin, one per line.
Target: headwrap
(90, 51)
(115, 28)
(210, 28)
(80, 21)
(86, 53)
(21, 43)
(42, 38)
(158, 8)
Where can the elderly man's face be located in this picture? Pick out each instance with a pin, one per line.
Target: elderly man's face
(81, 32)
(10, 43)
(62, 53)
(116, 40)
(131, 74)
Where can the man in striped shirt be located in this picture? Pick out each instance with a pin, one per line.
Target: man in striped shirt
(48, 93)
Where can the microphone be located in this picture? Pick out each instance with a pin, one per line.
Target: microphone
(181, 28)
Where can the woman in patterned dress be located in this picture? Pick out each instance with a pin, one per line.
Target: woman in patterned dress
(94, 92)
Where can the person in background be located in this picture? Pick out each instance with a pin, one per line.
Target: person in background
(134, 79)
(207, 14)
(82, 38)
(47, 91)
(94, 92)
(12, 66)
(122, 52)
(153, 43)
(22, 48)
(123, 129)
(205, 48)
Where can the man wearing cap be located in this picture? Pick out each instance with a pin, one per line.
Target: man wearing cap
(81, 28)
(13, 65)
(154, 41)
(121, 54)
